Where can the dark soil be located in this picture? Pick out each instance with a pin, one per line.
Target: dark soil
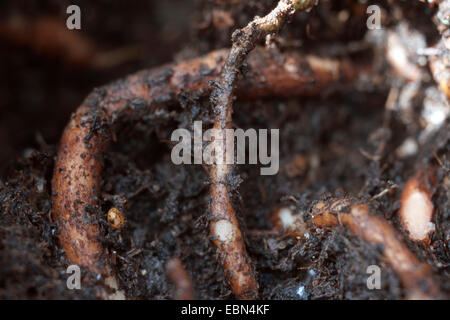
(166, 206)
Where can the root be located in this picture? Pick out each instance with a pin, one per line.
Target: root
(224, 225)
(416, 211)
(180, 278)
(416, 277)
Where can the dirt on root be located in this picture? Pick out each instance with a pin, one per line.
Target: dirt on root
(327, 148)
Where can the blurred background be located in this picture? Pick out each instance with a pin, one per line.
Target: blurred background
(47, 70)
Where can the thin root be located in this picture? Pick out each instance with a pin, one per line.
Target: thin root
(224, 225)
(416, 277)
(181, 279)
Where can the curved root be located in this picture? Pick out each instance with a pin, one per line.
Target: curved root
(416, 277)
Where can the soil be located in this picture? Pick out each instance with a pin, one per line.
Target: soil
(331, 138)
